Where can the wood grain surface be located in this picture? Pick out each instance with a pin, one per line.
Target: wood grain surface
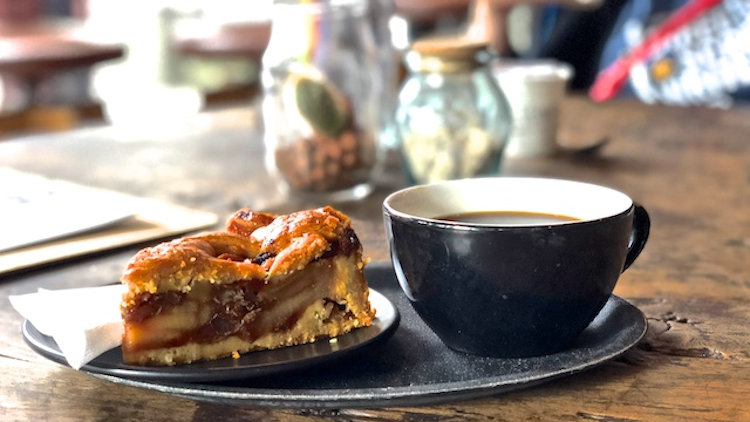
(690, 167)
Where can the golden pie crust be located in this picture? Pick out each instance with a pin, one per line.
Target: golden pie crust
(262, 283)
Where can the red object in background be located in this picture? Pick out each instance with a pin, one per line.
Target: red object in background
(22, 11)
(19, 11)
(430, 11)
(612, 79)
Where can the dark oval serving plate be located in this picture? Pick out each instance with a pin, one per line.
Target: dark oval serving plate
(413, 367)
(248, 365)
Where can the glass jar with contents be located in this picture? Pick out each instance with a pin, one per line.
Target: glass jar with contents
(320, 107)
(453, 120)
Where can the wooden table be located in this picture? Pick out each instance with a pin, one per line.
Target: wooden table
(689, 167)
(245, 40)
(36, 51)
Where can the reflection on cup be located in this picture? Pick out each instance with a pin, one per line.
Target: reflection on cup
(534, 89)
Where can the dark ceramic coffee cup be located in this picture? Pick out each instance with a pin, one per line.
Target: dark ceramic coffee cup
(511, 289)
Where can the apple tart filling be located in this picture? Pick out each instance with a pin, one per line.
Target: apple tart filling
(265, 282)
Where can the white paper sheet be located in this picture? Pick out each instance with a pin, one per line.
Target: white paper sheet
(34, 209)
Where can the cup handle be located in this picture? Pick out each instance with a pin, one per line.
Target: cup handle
(639, 236)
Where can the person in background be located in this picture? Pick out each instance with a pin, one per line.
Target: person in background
(678, 52)
(576, 36)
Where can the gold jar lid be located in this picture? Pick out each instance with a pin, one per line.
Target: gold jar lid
(445, 55)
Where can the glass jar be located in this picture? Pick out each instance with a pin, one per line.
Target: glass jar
(453, 120)
(321, 104)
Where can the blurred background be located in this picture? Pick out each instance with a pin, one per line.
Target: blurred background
(66, 62)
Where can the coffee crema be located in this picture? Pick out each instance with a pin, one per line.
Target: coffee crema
(508, 218)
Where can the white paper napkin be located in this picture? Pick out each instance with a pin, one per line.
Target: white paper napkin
(84, 322)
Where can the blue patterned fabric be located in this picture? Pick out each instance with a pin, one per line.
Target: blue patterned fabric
(707, 62)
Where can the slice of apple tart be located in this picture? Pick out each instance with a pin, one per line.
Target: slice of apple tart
(263, 283)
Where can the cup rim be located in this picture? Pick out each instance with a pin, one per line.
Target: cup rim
(609, 211)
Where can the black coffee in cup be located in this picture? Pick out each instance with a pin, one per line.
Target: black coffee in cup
(507, 218)
(511, 267)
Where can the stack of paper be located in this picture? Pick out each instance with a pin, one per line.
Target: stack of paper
(44, 220)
